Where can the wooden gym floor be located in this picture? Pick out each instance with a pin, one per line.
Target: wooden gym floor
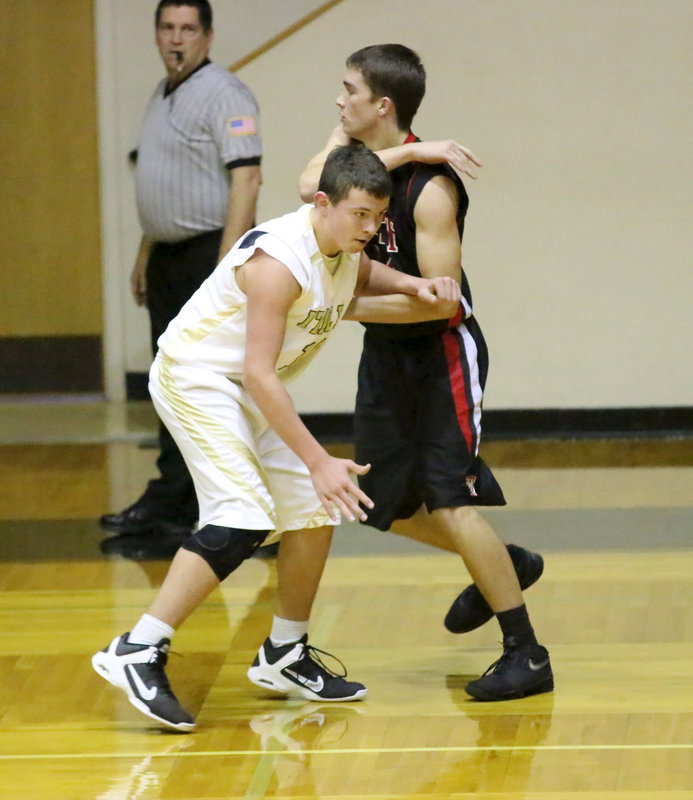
(613, 519)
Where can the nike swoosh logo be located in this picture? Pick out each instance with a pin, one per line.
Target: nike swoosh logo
(536, 667)
(316, 686)
(142, 690)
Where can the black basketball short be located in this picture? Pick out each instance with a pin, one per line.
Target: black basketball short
(418, 423)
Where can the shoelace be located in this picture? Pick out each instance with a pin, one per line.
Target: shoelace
(157, 662)
(313, 654)
(505, 656)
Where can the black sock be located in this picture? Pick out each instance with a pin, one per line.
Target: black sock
(516, 627)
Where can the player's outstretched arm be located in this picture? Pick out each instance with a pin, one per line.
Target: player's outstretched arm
(447, 151)
(450, 152)
(271, 290)
(385, 295)
(310, 177)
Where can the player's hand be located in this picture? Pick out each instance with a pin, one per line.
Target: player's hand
(332, 481)
(441, 289)
(460, 158)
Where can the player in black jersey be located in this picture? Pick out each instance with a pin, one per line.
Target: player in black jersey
(418, 408)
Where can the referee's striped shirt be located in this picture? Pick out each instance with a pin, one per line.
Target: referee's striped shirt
(190, 138)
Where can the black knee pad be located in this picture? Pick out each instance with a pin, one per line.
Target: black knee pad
(224, 549)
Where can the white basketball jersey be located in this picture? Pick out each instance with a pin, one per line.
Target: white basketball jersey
(210, 330)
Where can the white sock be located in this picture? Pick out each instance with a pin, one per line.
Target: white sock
(285, 631)
(150, 630)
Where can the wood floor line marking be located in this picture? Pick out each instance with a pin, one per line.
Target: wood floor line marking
(348, 751)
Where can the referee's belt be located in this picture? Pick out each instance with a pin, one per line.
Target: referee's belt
(192, 242)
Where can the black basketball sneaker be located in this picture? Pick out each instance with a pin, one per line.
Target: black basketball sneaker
(138, 669)
(519, 672)
(470, 610)
(296, 668)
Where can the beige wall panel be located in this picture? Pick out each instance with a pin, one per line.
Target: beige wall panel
(578, 239)
(129, 67)
(49, 229)
(578, 244)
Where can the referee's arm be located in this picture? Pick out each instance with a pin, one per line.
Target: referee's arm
(242, 204)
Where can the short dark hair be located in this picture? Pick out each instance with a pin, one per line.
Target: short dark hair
(354, 166)
(394, 71)
(204, 10)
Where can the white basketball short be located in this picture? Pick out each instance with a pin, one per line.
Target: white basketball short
(245, 475)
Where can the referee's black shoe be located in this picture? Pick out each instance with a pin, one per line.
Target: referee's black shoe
(139, 518)
(470, 610)
(521, 671)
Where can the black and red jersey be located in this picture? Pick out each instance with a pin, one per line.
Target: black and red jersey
(395, 242)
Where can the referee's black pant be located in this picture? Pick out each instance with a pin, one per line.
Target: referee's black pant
(174, 273)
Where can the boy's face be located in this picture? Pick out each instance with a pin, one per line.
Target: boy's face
(359, 109)
(351, 223)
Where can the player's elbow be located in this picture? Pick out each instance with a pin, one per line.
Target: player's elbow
(252, 380)
(307, 187)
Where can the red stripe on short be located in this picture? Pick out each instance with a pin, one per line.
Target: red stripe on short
(457, 319)
(458, 385)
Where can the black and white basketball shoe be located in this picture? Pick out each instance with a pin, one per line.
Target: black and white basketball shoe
(296, 668)
(138, 669)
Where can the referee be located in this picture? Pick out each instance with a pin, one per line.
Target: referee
(197, 182)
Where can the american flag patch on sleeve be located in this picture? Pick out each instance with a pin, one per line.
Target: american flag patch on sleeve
(242, 126)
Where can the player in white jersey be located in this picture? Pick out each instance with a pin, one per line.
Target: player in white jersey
(218, 383)
(209, 333)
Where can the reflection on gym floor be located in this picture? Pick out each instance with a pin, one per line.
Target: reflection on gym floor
(614, 520)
